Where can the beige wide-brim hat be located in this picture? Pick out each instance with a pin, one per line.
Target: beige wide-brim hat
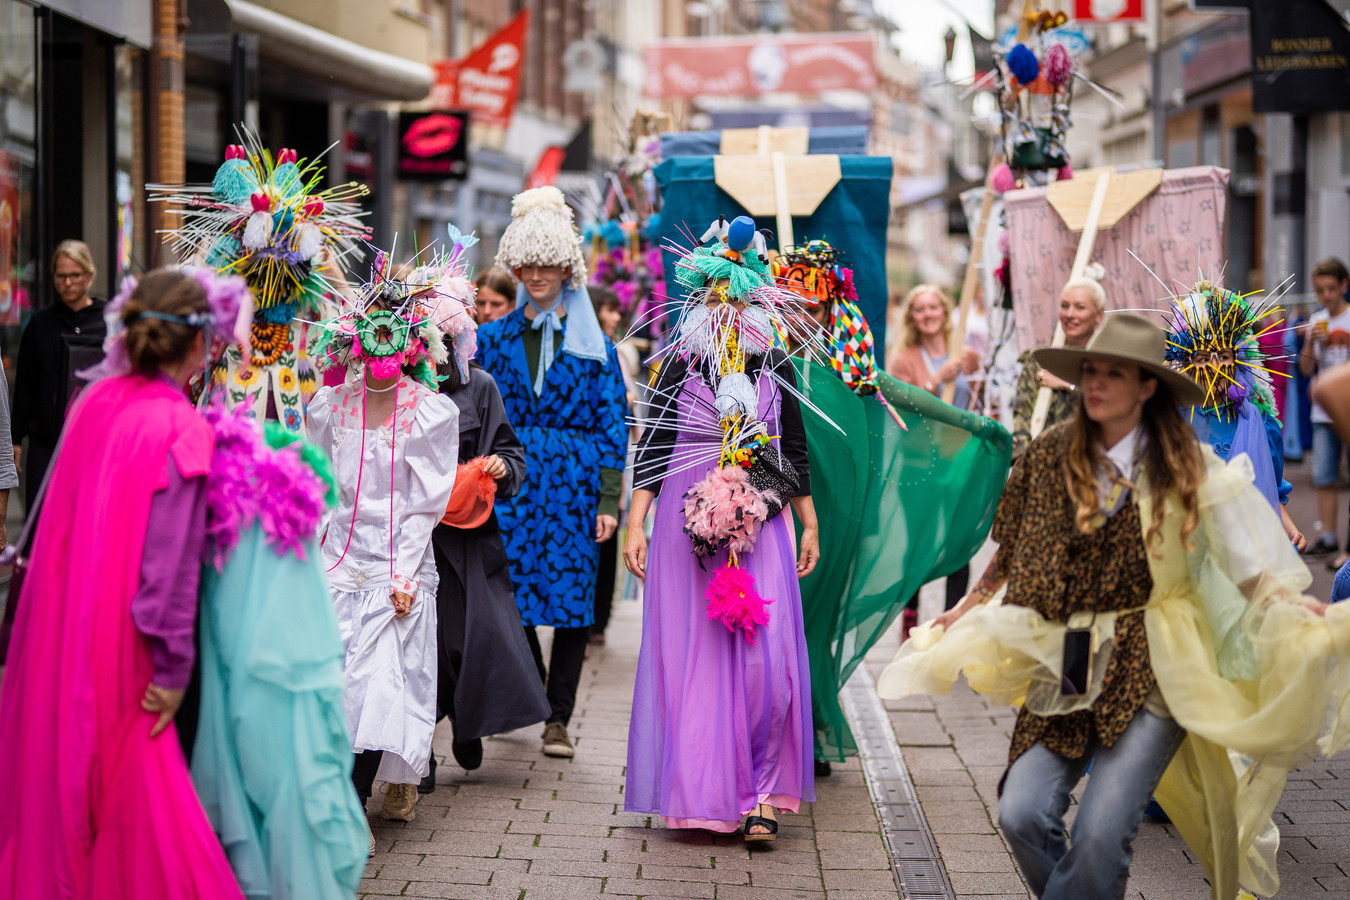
(1128, 338)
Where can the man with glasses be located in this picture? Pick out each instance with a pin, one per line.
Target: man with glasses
(59, 340)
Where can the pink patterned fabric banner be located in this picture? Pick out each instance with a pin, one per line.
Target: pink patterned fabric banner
(1177, 230)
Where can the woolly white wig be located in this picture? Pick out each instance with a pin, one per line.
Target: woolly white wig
(542, 233)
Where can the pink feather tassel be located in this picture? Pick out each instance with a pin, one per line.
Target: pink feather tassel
(734, 601)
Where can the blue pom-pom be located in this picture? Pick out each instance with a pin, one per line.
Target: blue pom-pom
(740, 233)
(1022, 63)
(286, 178)
(614, 235)
(654, 228)
(234, 181)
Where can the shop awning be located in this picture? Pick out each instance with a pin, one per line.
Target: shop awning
(329, 58)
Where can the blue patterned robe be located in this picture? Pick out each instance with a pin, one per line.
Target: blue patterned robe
(569, 431)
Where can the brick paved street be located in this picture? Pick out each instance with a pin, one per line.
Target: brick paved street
(526, 826)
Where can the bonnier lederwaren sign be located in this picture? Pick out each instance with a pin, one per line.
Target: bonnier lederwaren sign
(1300, 57)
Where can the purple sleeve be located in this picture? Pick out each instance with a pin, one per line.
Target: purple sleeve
(165, 607)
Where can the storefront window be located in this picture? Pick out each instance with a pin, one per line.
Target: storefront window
(18, 155)
(130, 199)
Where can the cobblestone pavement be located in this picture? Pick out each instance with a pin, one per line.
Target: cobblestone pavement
(526, 827)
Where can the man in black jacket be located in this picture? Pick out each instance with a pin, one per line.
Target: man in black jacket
(59, 339)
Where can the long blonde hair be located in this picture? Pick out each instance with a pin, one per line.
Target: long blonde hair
(1172, 463)
(907, 327)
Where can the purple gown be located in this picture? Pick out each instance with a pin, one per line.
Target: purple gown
(719, 724)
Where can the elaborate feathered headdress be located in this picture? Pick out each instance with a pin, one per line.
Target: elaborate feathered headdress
(542, 233)
(1210, 320)
(401, 319)
(266, 220)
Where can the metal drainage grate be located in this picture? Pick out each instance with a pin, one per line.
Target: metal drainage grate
(919, 873)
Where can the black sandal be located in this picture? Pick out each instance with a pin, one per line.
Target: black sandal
(752, 820)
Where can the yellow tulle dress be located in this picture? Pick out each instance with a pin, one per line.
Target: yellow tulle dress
(1257, 677)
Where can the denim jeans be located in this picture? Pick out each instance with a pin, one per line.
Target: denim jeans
(1095, 862)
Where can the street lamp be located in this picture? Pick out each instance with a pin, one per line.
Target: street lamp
(950, 40)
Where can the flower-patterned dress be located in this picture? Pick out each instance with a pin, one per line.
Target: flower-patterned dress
(286, 386)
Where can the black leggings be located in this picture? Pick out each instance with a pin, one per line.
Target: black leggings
(364, 768)
(563, 675)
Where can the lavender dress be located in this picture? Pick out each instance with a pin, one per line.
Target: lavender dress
(719, 724)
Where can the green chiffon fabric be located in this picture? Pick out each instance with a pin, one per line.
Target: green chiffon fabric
(897, 509)
(272, 761)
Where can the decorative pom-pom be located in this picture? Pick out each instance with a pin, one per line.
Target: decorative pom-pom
(1058, 65)
(384, 367)
(1001, 180)
(258, 230)
(724, 509)
(1237, 393)
(1023, 64)
(736, 395)
(234, 180)
(734, 600)
(311, 241)
(1065, 172)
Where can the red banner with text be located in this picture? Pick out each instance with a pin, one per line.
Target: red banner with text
(748, 66)
(487, 81)
(1100, 12)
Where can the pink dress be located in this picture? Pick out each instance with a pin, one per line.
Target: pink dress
(95, 807)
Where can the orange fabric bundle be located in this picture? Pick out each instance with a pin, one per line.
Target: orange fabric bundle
(472, 498)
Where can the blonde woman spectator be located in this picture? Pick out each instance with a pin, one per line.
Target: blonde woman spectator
(924, 358)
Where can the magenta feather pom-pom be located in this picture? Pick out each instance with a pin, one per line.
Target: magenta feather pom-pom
(1001, 180)
(231, 502)
(1057, 66)
(734, 601)
(384, 367)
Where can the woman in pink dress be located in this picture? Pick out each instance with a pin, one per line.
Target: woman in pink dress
(100, 803)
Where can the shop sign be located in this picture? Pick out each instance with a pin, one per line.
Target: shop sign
(1300, 58)
(746, 67)
(1104, 12)
(487, 81)
(433, 146)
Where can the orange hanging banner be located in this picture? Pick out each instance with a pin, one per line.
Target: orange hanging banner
(487, 81)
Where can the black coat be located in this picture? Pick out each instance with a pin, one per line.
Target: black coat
(487, 682)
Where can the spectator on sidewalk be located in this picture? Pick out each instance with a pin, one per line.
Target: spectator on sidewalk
(59, 340)
(1130, 552)
(563, 392)
(926, 360)
(103, 644)
(1327, 347)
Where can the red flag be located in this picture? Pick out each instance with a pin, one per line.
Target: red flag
(547, 168)
(486, 81)
(1102, 11)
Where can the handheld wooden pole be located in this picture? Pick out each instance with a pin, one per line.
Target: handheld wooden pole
(1085, 244)
(783, 211)
(971, 282)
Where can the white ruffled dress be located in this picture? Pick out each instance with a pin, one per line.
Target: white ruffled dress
(379, 542)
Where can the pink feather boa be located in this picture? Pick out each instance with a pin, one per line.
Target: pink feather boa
(734, 601)
(250, 482)
(724, 509)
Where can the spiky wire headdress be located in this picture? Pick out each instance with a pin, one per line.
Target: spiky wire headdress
(266, 220)
(399, 318)
(816, 272)
(1210, 319)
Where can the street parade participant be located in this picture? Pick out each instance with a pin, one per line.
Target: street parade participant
(872, 490)
(103, 644)
(721, 723)
(496, 295)
(1082, 303)
(266, 218)
(563, 391)
(487, 682)
(1155, 620)
(1214, 338)
(377, 540)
